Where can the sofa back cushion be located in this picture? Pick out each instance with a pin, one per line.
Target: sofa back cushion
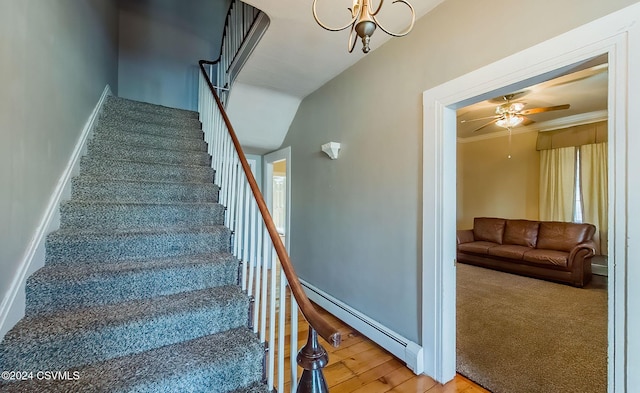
(521, 233)
(563, 236)
(488, 229)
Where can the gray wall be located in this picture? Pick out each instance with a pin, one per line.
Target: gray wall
(356, 222)
(161, 42)
(57, 56)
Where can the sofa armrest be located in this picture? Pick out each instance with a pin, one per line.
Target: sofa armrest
(586, 249)
(464, 236)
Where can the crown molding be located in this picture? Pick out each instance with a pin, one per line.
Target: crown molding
(573, 121)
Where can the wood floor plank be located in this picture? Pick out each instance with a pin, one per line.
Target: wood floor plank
(361, 366)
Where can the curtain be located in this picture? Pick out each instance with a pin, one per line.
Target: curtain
(557, 175)
(594, 179)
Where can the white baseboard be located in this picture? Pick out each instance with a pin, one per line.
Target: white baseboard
(402, 348)
(12, 308)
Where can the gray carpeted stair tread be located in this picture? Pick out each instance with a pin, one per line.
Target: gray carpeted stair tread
(154, 115)
(117, 215)
(169, 118)
(69, 286)
(115, 190)
(149, 140)
(134, 170)
(148, 154)
(128, 124)
(121, 105)
(73, 246)
(219, 363)
(88, 335)
(138, 127)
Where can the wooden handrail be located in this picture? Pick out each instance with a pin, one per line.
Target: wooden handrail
(325, 329)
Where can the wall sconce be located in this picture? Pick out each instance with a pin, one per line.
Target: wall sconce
(332, 149)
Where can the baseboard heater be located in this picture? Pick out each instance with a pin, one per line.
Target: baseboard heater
(401, 347)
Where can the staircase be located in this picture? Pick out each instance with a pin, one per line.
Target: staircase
(140, 291)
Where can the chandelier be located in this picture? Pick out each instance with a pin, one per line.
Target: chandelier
(364, 22)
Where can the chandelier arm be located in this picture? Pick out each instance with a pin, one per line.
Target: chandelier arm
(402, 34)
(315, 16)
(378, 10)
(353, 38)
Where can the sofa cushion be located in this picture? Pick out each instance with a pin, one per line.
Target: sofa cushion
(509, 251)
(488, 229)
(476, 247)
(521, 233)
(547, 257)
(563, 236)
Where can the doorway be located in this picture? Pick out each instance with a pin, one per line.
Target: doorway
(277, 178)
(522, 341)
(608, 35)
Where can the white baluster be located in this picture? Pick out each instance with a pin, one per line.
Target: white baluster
(265, 281)
(281, 326)
(272, 319)
(293, 345)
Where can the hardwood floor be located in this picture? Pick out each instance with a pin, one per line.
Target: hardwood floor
(361, 366)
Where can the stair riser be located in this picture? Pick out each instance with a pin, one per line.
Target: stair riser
(125, 216)
(107, 342)
(120, 106)
(190, 367)
(149, 155)
(148, 140)
(129, 170)
(115, 191)
(101, 289)
(136, 126)
(238, 373)
(104, 248)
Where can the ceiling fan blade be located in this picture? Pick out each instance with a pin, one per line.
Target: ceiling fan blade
(479, 118)
(526, 122)
(486, 125)
(533, 111)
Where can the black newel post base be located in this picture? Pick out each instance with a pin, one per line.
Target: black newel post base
(312, 358)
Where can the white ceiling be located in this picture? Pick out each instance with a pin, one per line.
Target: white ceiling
(584, 88)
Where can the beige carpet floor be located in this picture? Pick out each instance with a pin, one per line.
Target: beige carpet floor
(521, 335)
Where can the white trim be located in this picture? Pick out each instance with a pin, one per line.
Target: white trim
(269, 159)
(618, 35)
(401, 347)
(573, 121)
(12, 308)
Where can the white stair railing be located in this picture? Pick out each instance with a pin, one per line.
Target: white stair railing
(266, 272)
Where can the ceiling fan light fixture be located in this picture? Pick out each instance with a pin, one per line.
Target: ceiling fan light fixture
(509, 120)
(517, 106)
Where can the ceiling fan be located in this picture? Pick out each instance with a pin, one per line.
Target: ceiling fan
(511, 114)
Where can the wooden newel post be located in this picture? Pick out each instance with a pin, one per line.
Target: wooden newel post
(312, 358)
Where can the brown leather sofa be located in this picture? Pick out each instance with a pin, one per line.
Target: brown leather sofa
(555, 251)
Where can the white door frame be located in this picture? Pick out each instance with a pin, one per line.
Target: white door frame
(618, 35)
(269, 159)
